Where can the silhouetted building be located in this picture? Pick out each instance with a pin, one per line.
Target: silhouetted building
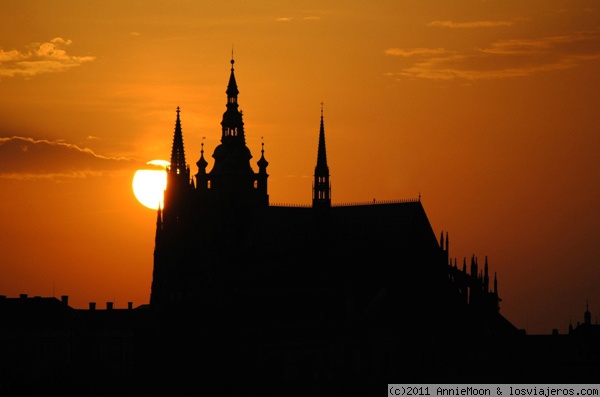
(218, 238)
(250, 298)
(307, 287)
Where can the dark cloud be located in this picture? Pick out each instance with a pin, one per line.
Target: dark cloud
(29, 158)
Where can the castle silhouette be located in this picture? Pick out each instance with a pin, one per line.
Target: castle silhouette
(268, 299)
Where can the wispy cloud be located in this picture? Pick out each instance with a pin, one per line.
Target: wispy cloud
(40, 58)
(414, 51)
(30, 158)
(470, 25)
(502, 58)
(306, 18)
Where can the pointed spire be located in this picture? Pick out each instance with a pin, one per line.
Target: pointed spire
(159, 223)
(232, 90)
(486, 278)
(473, 266)
(201, 163)
(321, 185)
(322, 152)
(442, 240)
(262, 162)
(232, 124)
(159, 218)
(178, 165)
(587, 316)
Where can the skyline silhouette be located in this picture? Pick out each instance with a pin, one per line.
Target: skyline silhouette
(488, 112)
(256, 298)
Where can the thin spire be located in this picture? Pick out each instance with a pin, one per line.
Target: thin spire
(262, 162)
(232, 124)
(587, 316)
(486, 278)
(159, 219)
(201, 163)
(321, 186)
(178, 154)
(322, 167)
(232, 90)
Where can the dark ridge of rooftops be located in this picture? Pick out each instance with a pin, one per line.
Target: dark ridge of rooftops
(351, 204)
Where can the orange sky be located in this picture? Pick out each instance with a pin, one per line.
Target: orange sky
(490, 110)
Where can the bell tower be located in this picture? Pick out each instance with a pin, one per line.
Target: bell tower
(232, 180)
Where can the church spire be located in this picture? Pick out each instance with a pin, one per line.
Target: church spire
(232, 180)
(262, 162)
(486, 278)
(232, 90)
(232, 124)
(178, 165)
(261, 177)
(321, 185)
(587, 316)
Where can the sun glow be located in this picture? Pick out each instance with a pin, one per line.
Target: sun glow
(149, 184)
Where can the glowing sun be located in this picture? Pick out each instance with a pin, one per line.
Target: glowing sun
(149, 184)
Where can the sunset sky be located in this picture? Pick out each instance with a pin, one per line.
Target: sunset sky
(489, 110)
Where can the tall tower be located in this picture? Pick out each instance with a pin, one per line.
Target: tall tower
(197, 226)
(178, 181)
(232, 178)
(321, 185)
(172, 220)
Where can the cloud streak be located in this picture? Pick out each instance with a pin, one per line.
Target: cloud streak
(470, 25)
(414, 51)
(501, 59)
(28, 158)
(40, 58)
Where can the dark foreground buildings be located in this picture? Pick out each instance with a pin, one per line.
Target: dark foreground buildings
(249, 298)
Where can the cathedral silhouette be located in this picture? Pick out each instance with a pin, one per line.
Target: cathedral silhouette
(249, 297)
(220, 245)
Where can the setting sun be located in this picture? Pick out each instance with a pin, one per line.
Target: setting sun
(149, 185)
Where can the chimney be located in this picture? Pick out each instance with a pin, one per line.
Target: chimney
(23, 296)
(65, 299)
(130, 305)
(109, 305)
(92, 305)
